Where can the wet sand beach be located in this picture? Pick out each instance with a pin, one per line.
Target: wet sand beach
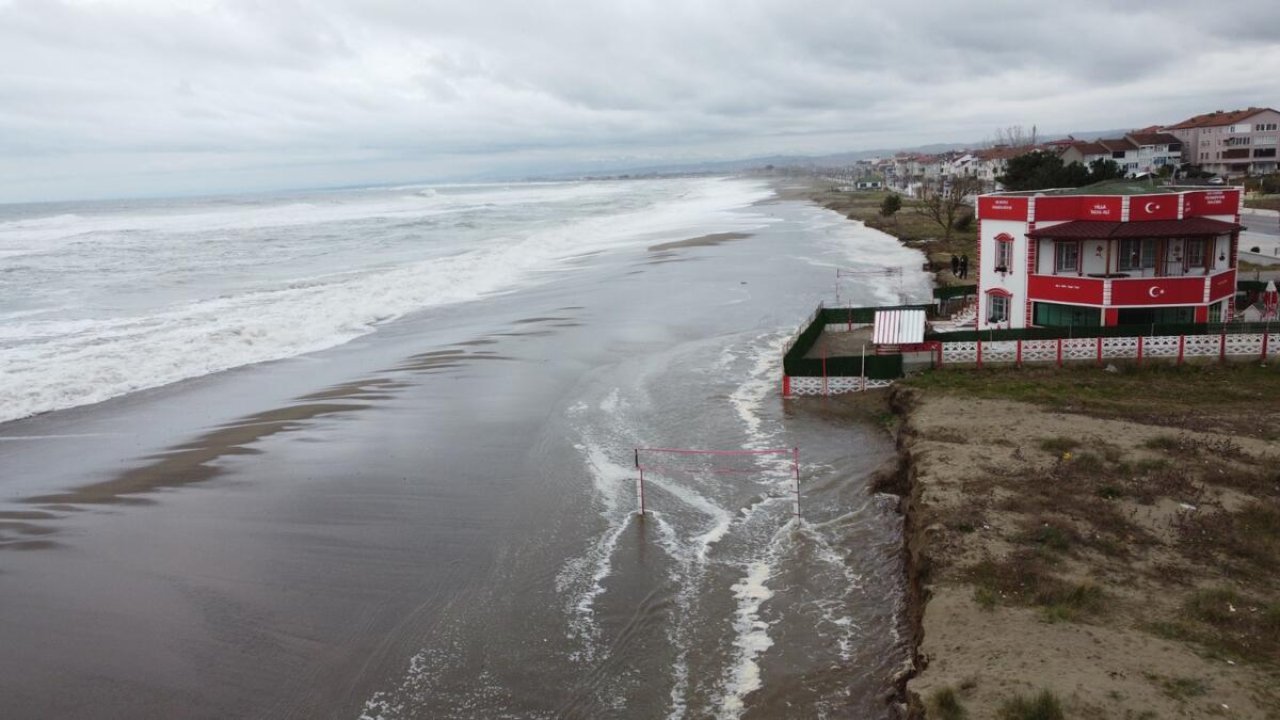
(437, 520)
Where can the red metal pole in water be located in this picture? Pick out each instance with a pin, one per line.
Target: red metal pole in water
(795, 470)
(640, 482)
(824, 372)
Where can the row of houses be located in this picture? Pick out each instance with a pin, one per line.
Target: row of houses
(1225, 143)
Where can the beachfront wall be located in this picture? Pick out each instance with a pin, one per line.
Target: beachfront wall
(1170, 344)
(836, 375)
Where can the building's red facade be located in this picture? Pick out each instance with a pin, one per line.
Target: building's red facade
(1049, 259)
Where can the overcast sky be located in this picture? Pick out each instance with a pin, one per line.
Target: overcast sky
(103, 98)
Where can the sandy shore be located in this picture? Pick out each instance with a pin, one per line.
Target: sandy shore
(1126, 565)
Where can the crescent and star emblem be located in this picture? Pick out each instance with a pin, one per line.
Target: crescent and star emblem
(1151, 207)
(1155, 291)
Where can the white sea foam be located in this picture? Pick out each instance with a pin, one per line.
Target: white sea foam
(720, 518)
(583, 577)
(752, 638)
(68, 358)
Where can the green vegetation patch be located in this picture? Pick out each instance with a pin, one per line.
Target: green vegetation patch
(1042, 706)
(1180, 688)
(944, 704)
(1059, 445)
(1226, 623)
(1248, 538)
(1025, 578)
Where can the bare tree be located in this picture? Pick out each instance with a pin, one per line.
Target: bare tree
(1016, 136)
(946, 201)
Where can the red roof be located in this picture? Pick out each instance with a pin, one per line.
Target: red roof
(1215, 119)
(1154, 138)
(1117, 144)
(1090, 148)
(1099, 230)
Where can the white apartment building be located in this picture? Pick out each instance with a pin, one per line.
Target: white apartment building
(1233, 143)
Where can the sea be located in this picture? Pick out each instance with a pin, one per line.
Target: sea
(371, 453)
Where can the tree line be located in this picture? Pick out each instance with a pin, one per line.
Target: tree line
(1041, 169)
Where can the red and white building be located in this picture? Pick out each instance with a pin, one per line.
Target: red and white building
(1058, 258)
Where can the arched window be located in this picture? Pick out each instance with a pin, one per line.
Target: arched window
(998, 303)
(1004, 253)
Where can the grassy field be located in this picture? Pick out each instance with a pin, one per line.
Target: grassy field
(1266, 203)
(1241, 398)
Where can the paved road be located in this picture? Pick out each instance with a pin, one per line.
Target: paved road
(1261, 224)
(1263, 233)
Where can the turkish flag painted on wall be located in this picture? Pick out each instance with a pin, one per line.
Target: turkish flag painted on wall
(1153, 207)
(1158, 291)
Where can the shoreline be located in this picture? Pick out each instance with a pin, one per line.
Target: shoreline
(1050, 544)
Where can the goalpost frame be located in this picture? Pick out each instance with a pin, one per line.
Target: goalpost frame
(794, 452)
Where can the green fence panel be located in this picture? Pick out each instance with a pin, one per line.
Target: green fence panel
(803, 343)
(954, 291)
(878, 367)
(864, 315)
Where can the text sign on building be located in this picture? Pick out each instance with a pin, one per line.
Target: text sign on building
(1158, 291)
(1075, 207)
(995, 207)
(1065, 289)
(1211, 202)
(1153, 207)
(1221, 286)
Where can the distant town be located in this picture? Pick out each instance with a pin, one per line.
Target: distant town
(1220, 146)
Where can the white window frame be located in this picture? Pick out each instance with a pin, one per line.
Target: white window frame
(998, 307)
(1059, 254)
(1146, 255)
(1004, 255)
(1190, 261)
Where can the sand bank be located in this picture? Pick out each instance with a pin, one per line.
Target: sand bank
(1124, 562)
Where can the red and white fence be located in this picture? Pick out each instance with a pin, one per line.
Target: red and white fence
(830, 385)
(1176, 348)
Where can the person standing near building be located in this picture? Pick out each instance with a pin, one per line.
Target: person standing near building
(964, 266)
(955, 265)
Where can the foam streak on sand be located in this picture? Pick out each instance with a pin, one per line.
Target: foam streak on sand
(752, 638)
(583, 578)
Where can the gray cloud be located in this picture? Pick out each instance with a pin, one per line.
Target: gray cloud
(102, 97)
